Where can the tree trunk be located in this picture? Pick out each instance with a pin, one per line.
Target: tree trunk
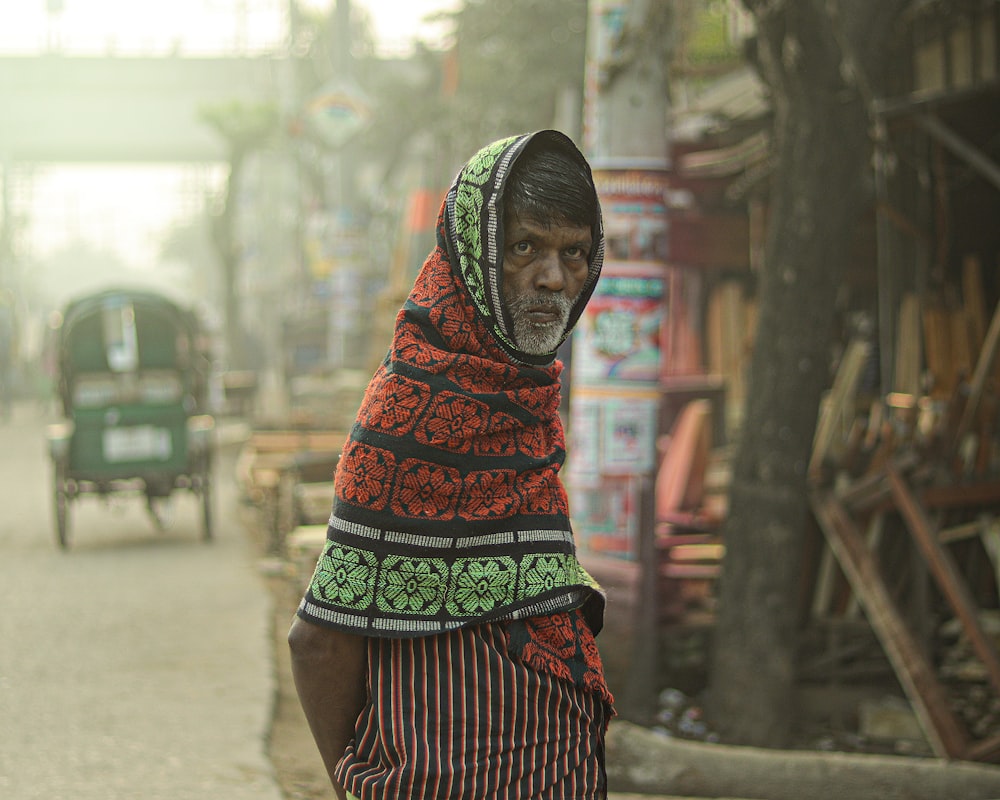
(225, 242)
(821, 151)
(644, 762)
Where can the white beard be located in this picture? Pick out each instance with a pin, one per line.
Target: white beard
(539, 339)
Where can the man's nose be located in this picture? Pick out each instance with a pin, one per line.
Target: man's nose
(550, 273)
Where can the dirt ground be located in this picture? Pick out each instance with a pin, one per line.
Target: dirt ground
(297, 764)
(296, 761)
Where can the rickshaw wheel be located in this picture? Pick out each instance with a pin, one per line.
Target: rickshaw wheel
(61, 506)
(206, 507)
(157, 512)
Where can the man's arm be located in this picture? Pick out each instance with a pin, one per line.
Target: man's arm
(329, 668)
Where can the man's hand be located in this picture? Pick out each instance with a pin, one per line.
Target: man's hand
(329, 668)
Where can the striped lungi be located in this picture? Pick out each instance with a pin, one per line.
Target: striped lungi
(455, 716)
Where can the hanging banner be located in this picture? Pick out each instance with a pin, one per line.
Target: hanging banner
(612, 433)
(633, 200)
(621, 335)
(612, 442)
(619, 338)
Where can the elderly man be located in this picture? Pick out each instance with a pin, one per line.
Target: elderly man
(445, 645)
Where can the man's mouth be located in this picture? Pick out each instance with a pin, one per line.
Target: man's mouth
(543, 315)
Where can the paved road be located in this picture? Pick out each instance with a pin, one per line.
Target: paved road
(137, 665)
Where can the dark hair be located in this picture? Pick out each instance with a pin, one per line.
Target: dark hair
(550, 184)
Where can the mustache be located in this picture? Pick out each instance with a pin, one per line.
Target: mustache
(554, 301)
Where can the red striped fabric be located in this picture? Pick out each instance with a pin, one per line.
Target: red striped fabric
(454, 717)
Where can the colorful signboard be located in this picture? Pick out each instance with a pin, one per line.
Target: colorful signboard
(612, 444)
(619, 336)
(338, 112)
(635, 214)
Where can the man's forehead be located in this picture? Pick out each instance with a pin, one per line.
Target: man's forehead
(530, 224)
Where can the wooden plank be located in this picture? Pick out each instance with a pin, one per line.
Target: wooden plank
(872, 489)
(947, 575)
(985, 750)
(906, 378)
(680, 480)
(959, 532)
(943, 729)
(937, 350)
(825, 579)
(838, 408)
(668, 539)
(962, 495)
(308, 538)
(691, 553)
(689, 572)
(729, 322)
(984, 368)
(963, 351)
(266, 477)
(296, 441)
(642, 672)
(965, 150)
(972, 299)
(873, 538)
(865, 492)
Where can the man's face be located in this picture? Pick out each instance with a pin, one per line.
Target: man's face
(544, 269)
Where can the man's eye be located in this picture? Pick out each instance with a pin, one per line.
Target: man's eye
(521, 248)
(575, 253)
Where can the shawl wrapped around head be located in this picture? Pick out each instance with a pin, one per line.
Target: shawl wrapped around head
(449, 510)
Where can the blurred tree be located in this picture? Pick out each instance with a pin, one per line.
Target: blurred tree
(513, 61)
(824, 62)
(244, 127)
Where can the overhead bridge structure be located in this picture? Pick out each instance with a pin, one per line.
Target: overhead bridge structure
(79, 109)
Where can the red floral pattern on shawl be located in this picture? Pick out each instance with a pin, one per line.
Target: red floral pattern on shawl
(562, 645)
(409, 398)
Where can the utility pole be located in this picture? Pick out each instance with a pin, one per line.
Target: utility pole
(618, 345)
(625, 99)
(339, 112)
(343, 71)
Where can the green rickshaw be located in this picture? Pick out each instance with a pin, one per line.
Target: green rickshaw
(133, 378)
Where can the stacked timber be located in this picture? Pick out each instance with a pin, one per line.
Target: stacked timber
(906, 491)
(287, 475)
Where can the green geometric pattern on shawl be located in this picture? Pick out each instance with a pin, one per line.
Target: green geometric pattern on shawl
(474, 236)
(471, 193)
(474, 190)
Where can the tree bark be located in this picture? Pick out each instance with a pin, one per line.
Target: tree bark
(820, 67)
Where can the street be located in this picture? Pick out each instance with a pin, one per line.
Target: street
(138, 663)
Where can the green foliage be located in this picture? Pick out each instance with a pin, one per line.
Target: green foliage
(710, 42)
(704, 38)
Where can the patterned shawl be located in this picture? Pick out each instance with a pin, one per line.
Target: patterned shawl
(449, 510)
